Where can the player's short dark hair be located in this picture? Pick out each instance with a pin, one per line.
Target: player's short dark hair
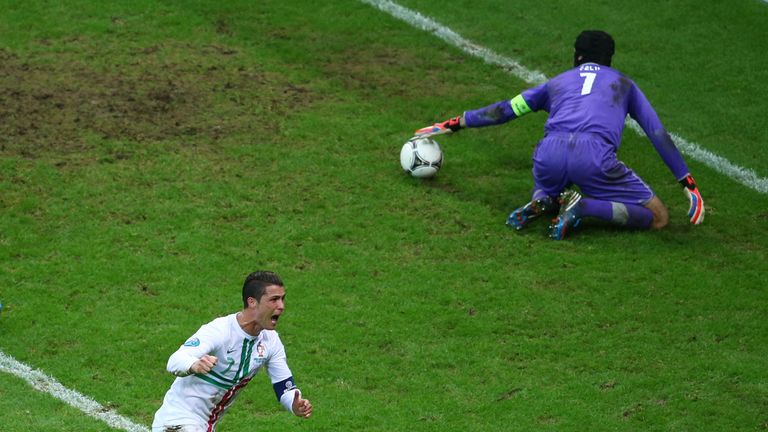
(593, 46)
(256, 284)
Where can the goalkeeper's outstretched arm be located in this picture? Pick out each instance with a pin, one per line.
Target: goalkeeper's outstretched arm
(494, 114)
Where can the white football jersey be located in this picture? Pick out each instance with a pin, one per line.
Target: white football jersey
(201, 399)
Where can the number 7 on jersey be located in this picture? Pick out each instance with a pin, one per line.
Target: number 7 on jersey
(589, 79)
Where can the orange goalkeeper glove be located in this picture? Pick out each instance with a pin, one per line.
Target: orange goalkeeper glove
(696, 203)
(448, 126)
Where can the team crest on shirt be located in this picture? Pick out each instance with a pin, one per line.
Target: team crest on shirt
(260, 350)
(193, 342)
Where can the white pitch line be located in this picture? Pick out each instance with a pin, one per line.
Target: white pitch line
(745, 176)
(47, 384)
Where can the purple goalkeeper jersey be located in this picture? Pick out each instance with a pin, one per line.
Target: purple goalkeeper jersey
(589, 98)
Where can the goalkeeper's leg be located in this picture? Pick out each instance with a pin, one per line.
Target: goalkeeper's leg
(540, 204)
(615, 193)
(549, 180)
(660, 214)
(650, 216)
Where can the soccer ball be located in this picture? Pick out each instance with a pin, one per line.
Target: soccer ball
(421, 157)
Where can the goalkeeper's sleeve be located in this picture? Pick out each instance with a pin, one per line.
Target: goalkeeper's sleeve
(497, 113)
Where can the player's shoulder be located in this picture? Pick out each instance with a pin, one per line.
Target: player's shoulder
(270, 334)
(224, 320)
(270, 337)
(619, 74)
(220, 324)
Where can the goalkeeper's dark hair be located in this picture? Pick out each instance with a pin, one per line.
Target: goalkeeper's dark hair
(594, 46)
(256, 284)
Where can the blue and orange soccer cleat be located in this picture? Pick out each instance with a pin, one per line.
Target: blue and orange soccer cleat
(521, 217)
(569, 216)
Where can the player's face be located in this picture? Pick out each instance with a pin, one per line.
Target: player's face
(271, 306)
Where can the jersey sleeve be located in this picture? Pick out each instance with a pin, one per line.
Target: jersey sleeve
(537, 98)
(203, 342)
(281, 377)
(640, 109)
(506, 110)
(497, 113)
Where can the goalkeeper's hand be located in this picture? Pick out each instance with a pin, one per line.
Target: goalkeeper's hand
(696, 209)
(448, 126)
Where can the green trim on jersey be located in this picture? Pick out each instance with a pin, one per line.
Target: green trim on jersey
(245, 359)
(221, 378)
(209, 380)
(248, 359)
(519, 106)
(242, 370)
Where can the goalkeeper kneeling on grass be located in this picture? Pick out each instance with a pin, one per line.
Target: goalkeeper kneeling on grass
(587, 107)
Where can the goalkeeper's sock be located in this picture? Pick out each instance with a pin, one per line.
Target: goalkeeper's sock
(628, 215)
(539, 194)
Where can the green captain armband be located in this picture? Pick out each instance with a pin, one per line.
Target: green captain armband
(519, 106)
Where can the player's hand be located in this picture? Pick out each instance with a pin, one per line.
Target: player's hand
(448, 126)
(696, 208)
(301, 407)
(204, 365)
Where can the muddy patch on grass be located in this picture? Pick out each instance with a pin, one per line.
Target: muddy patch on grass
(392, 71)
(63, 101)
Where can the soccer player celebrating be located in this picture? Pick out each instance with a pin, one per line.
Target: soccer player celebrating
(587, 108)
(219, 360)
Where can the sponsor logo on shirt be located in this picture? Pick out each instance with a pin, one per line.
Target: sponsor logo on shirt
(193, 342)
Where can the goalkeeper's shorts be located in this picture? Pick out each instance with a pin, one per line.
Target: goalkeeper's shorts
(589, 162)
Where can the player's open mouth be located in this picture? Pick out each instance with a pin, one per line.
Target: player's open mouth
(275, 318)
